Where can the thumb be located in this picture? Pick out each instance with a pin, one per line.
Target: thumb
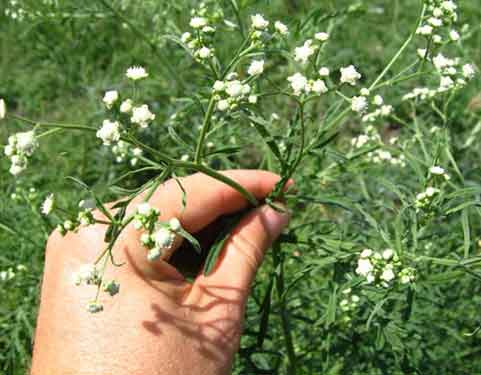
(244, 250)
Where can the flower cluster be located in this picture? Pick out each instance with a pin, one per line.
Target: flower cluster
(301, 85)
(19, 148)
(309, 48)
(383, 268)
(11, 272)
(123, 151)
(425, 199)
(438, 20)
(382, 110)
(230, 93)
(127, 111)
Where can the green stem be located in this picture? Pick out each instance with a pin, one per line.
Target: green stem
(205, 128)
(220, 177)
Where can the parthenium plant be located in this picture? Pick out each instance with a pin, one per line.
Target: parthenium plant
(320, 100)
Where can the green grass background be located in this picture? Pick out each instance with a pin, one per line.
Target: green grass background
(56, 66)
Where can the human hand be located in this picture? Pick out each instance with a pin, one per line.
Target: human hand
(159, 323)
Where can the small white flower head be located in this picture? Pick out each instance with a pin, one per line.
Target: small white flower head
(88, 274)
(48, 205)
(430, 191)
(3, 109)
(359, 104)
(163, 238)
(256, 68)
(454, 35)
(94, 307)
(219, 86)
(436, 170)
(468, 71)
(441, 62)
(110, 98)
(281, 28)
(388, 274)
(446, 83)
(435, 22)
(388, 254)
(109, 132)
(234, 89)
(422, 53)
(324, 72)
(364, 267)
(146, 239)
(142, 116)
(259, 22)
(252, 99)
(112, 287)
(378, 100)
(208, 29)
(425, 30)
(186, 37)
(298, 83)
(198, 22)
(350, 75)
(302, 54)
(144, 209)
(204, 53)
(223, 105)
(365, 92)
(319, 87)
(154, 254)
(322, 36)
(136, 72)
(126, 106)
(174, 224)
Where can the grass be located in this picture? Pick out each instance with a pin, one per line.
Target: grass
(57, 68)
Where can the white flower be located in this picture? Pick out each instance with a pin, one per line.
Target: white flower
(142, 115)
(144, 209)
(185, 37)
(110, 98)
(198, 22)
(26, 142)
(208, 29)
(454, 35)
(174, 224)
(256, 67)
(48, 205)
(441, 62)
(252, 99)
(136, 72)
(446, 83)
(364, 267)
(378, 100)
(154, 254)
(388, 274)
(386, 110)
(319, 87)
(422, 52)
(298, 83)
(324, 72)
(204, 53)
(436, 22)
(3, 109)
(163, 238)
(219, 86)
(430, 191)
(350, 75)
(234, 88)
(365, 92)
(281, 28)
(322, 36)
(449, 6)
(94, 307)
(388, 254)
(438, 39)
(88, 274)
(16, 169)
(109, 132)
(437, 170)
(259, 22)
(302, 54)
(126, 106)
(223, 105)
(425, 30)
(359, 104)
(468, 71)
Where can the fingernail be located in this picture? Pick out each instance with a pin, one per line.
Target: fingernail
(275, 221)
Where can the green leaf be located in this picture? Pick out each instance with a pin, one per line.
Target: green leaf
(191, 239)
(466, 231)
(265, 311)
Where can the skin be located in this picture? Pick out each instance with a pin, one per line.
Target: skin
(158, 323)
